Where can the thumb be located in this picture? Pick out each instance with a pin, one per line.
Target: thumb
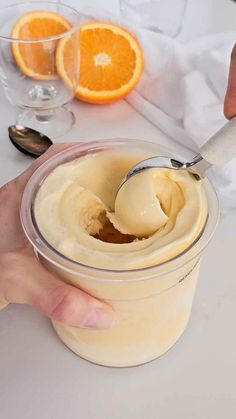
(230, 98)
(27, 281)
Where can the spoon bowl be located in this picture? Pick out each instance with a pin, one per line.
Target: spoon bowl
(29, 141)
(164, 163)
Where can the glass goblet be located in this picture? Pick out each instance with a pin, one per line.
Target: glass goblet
(39, 63)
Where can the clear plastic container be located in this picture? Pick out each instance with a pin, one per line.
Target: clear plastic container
(152, 304)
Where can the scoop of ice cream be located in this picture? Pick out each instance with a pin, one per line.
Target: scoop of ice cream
(142, 205)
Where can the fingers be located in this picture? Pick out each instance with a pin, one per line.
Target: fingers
(28, 282)
(3, 302)
(230, 98)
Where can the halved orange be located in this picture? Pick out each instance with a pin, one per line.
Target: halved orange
(111, 62)
(36, 59)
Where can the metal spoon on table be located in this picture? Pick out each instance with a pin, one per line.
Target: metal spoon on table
(218, 150)
(28, 140)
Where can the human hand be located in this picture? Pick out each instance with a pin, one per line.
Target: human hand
(22, 277)
(230, 97)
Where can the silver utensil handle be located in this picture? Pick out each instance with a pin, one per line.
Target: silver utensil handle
(221, 147)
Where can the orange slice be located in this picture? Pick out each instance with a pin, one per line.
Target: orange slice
(36, 59)
(111, 62)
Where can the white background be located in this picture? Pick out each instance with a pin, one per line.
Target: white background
(41, 379)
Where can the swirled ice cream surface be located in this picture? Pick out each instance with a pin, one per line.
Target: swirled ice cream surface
(154, 217)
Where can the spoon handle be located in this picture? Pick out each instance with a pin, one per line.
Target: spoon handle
(221, 147)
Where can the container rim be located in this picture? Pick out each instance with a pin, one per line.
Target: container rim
(44, 248)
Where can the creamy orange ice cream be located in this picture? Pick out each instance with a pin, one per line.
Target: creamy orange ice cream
(161, 212)
(155, 216)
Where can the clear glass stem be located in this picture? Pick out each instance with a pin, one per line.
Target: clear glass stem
(44, 116)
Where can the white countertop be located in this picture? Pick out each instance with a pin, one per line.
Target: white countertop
(41, 379)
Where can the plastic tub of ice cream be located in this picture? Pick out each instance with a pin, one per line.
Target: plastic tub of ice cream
(150, 281)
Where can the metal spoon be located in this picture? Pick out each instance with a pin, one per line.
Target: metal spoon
(28, 140)
(218, 150)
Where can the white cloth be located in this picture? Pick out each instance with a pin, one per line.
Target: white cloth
(183, 85)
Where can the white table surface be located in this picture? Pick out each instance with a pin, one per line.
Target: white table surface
(41, 379)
